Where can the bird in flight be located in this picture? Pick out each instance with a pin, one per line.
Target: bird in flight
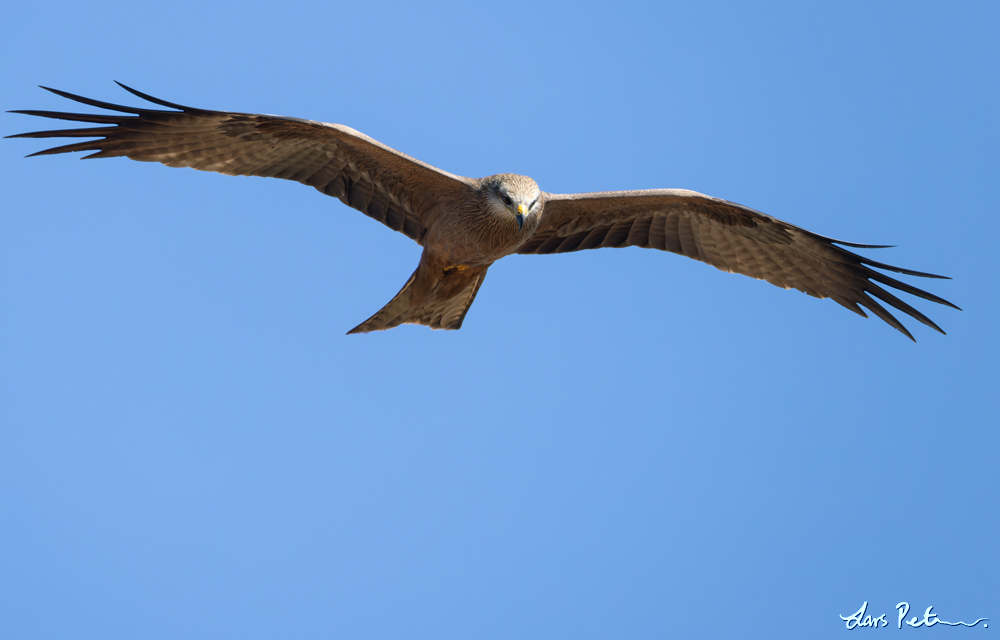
(466, 224)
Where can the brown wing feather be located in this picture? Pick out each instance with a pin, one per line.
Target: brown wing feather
(729, 237)
(395, 189)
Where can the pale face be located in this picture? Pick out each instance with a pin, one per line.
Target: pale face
(517, 195)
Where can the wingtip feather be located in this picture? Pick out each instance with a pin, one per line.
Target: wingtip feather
(149, 98)
(95, 103)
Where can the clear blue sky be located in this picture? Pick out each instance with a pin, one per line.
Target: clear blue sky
(618, 444)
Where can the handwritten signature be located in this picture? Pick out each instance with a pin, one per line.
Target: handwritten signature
(861, 619)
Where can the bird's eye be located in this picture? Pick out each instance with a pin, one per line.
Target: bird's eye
(532, 205)
(506, 199)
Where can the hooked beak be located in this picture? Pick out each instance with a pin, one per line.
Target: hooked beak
(519, 216)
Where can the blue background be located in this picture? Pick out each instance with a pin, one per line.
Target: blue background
(619, 443)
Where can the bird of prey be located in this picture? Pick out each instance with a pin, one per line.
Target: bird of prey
(465, 225)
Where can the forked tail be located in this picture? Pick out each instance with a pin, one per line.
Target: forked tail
(433, 296)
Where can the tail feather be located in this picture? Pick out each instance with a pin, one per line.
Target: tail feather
(435, 297)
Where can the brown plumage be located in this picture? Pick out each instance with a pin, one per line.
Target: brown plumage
(466, 224)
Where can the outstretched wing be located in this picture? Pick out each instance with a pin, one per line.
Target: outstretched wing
(395, 189)
(727, 236)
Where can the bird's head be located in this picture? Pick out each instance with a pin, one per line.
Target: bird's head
(517, 195)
